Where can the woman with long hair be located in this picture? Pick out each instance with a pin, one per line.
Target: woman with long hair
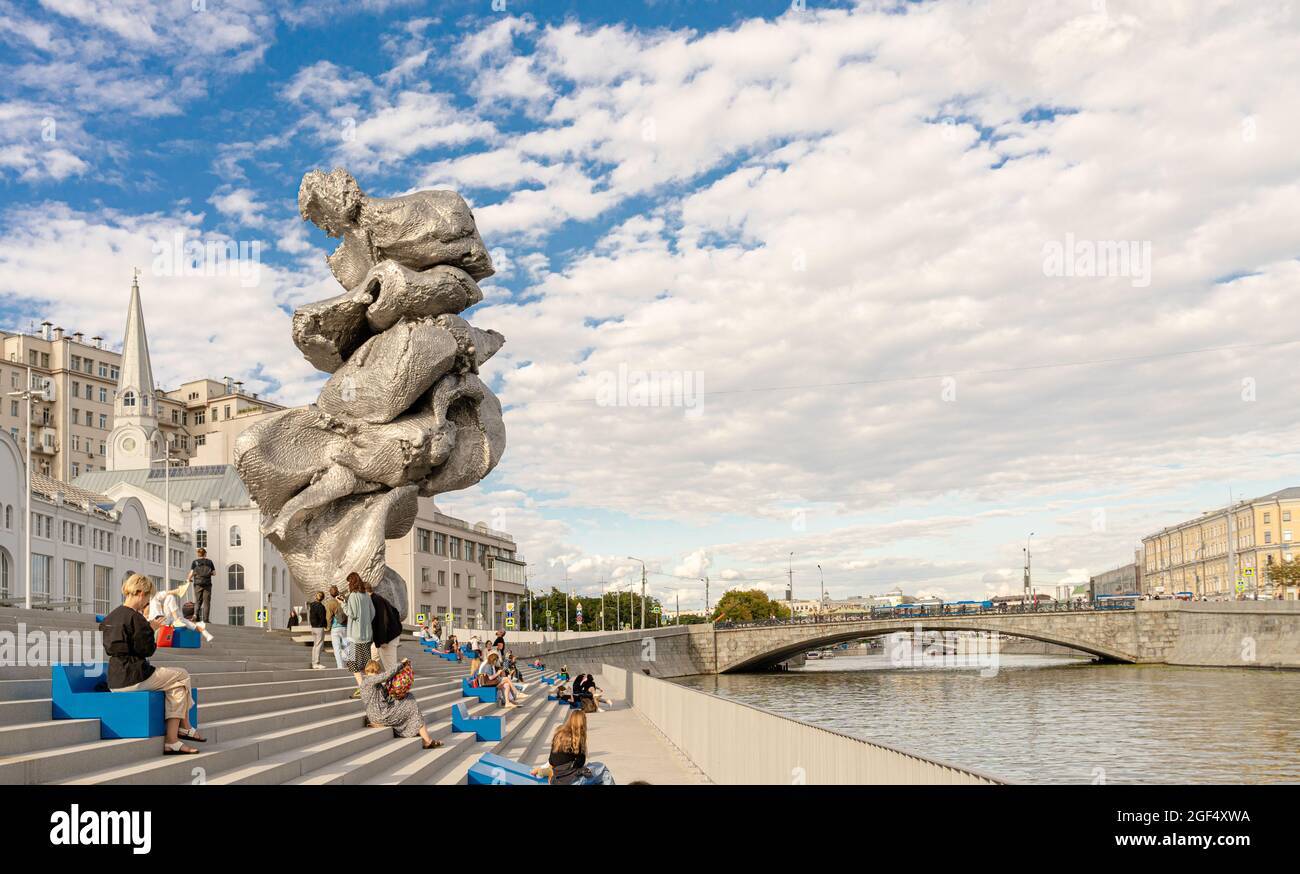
(361, 614)
(567, 763)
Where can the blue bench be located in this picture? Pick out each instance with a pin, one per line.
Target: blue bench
(120, 714)
(550, 681)
(486, 694)
(484, 727)
(494, 770)
(446, 656)
(186, 638)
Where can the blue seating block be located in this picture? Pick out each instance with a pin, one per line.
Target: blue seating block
(486, 694)
(186, 638)
(484, 727)
(494, 770)
(447, 656)
(120, 714)
(550, 681)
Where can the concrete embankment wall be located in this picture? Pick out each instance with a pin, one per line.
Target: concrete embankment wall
(679, 651)
(734, 743)
(1236, 634)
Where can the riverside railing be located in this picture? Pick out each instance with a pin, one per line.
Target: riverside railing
(734, 743)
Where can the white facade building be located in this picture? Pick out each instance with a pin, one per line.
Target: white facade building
(83, 544)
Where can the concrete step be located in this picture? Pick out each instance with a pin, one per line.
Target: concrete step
(269, 755)
(24, 710)
(27, 737)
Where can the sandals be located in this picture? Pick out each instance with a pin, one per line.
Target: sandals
(432, 745)
(191, 734)
(178, 749)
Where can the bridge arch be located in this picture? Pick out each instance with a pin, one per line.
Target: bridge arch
(770, 645)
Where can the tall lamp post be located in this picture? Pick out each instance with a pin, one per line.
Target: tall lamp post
(1029, 565)
(28, 395)
(167, 500)
(789, 592)
(821, 605)
(634, 558)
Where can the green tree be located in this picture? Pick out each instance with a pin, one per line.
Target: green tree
(748, 605)
(1285, 573)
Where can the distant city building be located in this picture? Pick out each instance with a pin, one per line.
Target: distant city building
(852, 604)
(1123, 580)
(1194, 556)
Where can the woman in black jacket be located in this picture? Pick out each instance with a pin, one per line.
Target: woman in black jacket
(567, 764)
(129, 641)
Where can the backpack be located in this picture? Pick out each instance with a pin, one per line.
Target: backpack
(400, 683)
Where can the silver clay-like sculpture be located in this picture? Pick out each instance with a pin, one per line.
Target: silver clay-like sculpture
(403, 414)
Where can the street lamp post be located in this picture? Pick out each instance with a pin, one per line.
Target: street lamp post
(634, 558)
(1029, 573)
(28, 396)
(789, 592)
(167, 500)
(821, 605)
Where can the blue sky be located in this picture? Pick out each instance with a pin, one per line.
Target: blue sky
(832, 214)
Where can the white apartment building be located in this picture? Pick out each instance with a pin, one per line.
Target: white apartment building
(83, 544)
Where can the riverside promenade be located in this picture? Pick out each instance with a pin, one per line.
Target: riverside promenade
(633, 749)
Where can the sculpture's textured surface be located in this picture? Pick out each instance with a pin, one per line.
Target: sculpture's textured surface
(403, 414)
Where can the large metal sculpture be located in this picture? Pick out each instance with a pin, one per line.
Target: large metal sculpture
(403, 414)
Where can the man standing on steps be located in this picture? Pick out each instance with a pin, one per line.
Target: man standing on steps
(318, 619)
(201, 571)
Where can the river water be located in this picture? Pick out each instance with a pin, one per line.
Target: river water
(1050, 719)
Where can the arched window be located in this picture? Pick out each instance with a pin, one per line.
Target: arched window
(9, 516)
(235, 538)
(200, 538)
(4, 574)
(274, 579)
(128, 399)
(235, 577)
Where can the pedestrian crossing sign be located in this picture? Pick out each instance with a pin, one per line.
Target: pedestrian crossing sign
(510, 622)
(451, 617)
(1241, 586)
(261, 617)
(419, 618)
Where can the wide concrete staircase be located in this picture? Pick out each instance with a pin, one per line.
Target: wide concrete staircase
(269, 718)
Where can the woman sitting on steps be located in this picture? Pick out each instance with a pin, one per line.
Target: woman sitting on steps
(402, 715)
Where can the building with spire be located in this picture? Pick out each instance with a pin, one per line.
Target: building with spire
(134, 441)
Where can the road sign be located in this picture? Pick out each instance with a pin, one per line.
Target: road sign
(510, 622)
(1250, 571)
(450, 617)
(654, 609)
(419, 618)
(261, 617)
(1241, 586)
(510, 608)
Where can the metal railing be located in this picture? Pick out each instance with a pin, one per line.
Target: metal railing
(912, 611)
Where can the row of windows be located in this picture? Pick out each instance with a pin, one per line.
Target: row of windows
(201, 537)
(466, 550)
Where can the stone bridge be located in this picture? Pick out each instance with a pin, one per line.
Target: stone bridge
(1232, 634)
(1116, 635)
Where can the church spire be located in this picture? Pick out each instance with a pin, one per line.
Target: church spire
(134, 416)
(135, 384)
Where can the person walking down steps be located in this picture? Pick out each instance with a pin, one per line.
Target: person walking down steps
(319, 620)
(201, 571)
